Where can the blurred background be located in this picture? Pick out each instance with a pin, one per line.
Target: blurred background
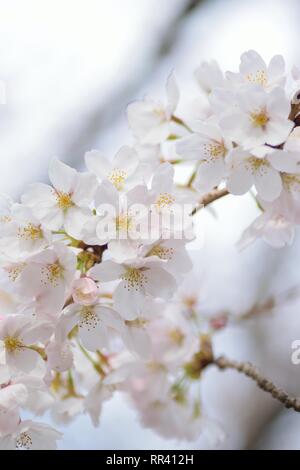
(70, 67)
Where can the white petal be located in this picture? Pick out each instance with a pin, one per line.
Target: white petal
(62, 176)
(160, 283)
(268, 183)
(107, 271)
(128, 302)
(240, 180)
(97, 163)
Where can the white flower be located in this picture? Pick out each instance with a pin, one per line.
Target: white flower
(254, 70)
(66, 204)
(95, 322)
(94, 400)
(207, 146)
(18, 335)
(121, 221)
(24, 234)
(246, 169)
(259, 118)
(11, 398)
(31, 436)
(46, 276)
(150, 121)
(120, 171)
(273, 228)
(209, 76)
(139, 278)
(288, 159)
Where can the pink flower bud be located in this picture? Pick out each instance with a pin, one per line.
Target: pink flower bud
(85, 291)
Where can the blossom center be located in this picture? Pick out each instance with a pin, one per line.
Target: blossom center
(30, 232)
(24, 441)
(64, 200)
(214, 150)
(117, 177)
(258, 164)
(15, 271)
(260, 118)
(162, 252)
(260, 77)
(134, 279)
(52, 273)
(123, 222)
(88, 318)
(164, 200)
(12, 344)
(176, 336)
(291, 181)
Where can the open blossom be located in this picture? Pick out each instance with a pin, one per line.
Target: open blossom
(95, 295)
(121, 171)
(259, 118)
(139, 278)
(17, 335)
(121, 221)
(22, 233)
(95, 322)
(29, 435)
(149, 120)
(66, 203)
(254, 70)
(246, 169)
(209, 148)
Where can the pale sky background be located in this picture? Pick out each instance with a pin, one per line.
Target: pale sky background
(70, 67)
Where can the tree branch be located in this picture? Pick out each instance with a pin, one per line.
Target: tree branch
(265, 384)
(209, 198)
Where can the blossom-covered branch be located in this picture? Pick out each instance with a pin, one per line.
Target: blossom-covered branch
(95, 271)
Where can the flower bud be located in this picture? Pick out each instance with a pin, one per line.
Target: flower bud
(85, 291)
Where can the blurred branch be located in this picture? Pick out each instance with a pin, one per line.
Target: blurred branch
(263, 383)
(104, 115)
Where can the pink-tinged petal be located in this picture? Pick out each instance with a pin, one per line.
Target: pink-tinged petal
(285, 161)
(160, 283)
(277, 131)
(268, 183)
(276, 70)
(97, 163)
(240, 179)
(84, 191)
(128, 302)
(94, 338)
(24, 360)
(107, 271)
(126, 159)
(209, 175)
(163, 179)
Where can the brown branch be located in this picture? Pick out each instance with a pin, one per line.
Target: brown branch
(265, 384)
(209, 198)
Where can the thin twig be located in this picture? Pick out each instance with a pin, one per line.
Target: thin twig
(209, 198)
(265, 384)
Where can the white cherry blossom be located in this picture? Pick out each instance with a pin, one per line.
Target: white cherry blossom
(66, 203)
(151, 121)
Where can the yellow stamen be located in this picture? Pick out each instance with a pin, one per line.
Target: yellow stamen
(259, 119)
(164, 200)
(260, 77)
(30, 232)
(134, 279)
(12, 344)
(117, 177)
(64, 200)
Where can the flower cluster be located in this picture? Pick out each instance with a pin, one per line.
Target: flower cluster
(92, 265)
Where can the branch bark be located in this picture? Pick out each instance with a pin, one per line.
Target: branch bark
(209, 198)
(263, 383)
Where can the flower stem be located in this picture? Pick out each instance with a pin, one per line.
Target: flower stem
(265, 384)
